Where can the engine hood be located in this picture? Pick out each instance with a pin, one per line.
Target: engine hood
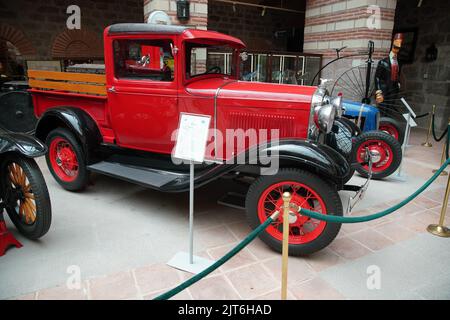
(255, 91)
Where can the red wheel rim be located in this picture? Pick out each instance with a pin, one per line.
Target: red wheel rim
(382, 152)
(389, 129)
(302, 229)
(63, 159)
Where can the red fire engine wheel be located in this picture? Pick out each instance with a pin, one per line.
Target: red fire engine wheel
(308, 191)
(385, 150)
(66, 160)
(381, 152)
(302, 229)
(389, 129)
(63, 159)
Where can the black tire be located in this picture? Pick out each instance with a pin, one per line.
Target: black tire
(395, 124)
(326, 191)
(82, 177)
(38, 189)
(395, 152)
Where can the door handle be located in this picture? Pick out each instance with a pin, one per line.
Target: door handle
(112, 89)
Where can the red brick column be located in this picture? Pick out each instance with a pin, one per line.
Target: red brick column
(331, 24)
(198, 11)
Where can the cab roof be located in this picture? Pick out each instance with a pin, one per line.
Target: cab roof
(185, 32)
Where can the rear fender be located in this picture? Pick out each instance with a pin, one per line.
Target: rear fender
(77, 121)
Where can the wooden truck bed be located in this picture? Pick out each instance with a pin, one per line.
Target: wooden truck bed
(82, 83)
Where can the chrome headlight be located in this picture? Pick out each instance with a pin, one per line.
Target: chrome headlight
(316, 102)
(324, 110)
(324, 117)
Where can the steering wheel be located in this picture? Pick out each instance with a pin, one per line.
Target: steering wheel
(144, 60)
(215, 69)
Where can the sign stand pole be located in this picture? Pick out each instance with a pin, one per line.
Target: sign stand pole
(190, 145)
(191, 213)
(399, 176)
(409, 117)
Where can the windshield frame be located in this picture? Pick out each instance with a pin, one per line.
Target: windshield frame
(209, 42)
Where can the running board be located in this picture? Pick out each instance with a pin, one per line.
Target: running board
(145, 177)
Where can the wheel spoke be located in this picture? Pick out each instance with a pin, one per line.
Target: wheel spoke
(13, 171)
(21, 210)
(29, 195)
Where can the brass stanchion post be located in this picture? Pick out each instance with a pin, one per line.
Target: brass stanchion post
(443, 156)
(285, 249)
(439, 229)
(427, 142)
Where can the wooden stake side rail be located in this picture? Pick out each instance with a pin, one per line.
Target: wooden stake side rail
(68, 81)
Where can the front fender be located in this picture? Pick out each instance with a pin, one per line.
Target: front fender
(21, 143)
(319, 158)
(76, 120)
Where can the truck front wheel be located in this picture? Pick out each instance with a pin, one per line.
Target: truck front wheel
(306, 235)
(66, 160)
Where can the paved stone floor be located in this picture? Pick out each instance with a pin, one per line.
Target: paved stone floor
(120, 236)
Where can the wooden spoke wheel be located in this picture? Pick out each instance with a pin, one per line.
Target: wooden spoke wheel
(26, 196)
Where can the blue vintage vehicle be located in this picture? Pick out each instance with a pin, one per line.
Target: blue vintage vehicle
(368, 118)
(385, 150)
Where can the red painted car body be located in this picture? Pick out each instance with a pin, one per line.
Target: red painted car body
(142, 115)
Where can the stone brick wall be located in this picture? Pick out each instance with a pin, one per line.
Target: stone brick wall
(256, 30)
(433, 25)
(337, 23)
(198, 12)
(38, 27)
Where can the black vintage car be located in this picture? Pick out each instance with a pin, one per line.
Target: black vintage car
(23, 192)
(16, 107)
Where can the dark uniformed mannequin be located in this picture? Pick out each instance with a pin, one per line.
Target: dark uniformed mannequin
(387, 76)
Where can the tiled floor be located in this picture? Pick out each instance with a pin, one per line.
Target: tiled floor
(398, 244)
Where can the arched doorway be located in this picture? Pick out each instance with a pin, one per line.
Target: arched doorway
(14, 47)
(77, 46)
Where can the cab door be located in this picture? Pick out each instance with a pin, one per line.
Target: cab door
(142, 93)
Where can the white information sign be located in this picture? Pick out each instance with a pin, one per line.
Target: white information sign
(413, 114)
(192, 137)
(412, 123)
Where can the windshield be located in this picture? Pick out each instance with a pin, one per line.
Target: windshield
(202, 59)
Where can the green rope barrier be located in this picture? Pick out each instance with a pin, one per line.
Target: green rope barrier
(219, 262)
(434, 132)
(339, 219)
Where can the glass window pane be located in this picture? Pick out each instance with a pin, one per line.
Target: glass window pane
(276, 69)
(144, 59)
(289, 70)
(312, 66)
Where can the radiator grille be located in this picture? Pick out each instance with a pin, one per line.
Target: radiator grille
(245, 120)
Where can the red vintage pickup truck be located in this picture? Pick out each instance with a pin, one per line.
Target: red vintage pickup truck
(121, 124)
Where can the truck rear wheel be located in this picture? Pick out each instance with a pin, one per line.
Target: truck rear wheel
(308, 191)
(66, 160)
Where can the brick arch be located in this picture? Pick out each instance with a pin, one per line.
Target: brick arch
(18, 39)
(77, 44)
